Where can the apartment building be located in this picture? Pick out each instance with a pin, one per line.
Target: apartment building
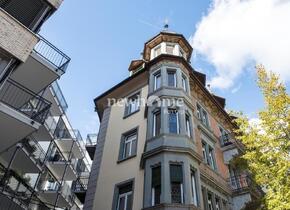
(175, 150)
(43, 159)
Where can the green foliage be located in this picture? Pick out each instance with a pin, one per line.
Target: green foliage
(267, 142)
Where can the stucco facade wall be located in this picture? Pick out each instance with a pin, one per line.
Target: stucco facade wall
(111, 172)
(15, 38)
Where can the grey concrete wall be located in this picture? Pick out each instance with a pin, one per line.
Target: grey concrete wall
(92, 185)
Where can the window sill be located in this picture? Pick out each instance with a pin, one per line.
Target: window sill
(128, 115)
(127, 158)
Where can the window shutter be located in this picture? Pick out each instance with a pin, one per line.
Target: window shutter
(156, 176)
(176, 173)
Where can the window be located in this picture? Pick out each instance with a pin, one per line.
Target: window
(132, 104)
(181, 53)
(187, 124)
(128, 146)
(125, 197)
(169, 48)
(224, 138)
(171, 78)
(217, 204)
(173, 123)
(176, 181)
(208, 155)
(184, 83)
(157, 51)
(157, 80)
(194, 187)
(156, 123)
(209, 201)
(204, 153)
(156, 185)
(211, 158)
(202, 115)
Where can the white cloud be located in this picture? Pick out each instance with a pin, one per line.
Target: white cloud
(236, 33)
(236, 89)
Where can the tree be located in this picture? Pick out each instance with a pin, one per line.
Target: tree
(267, 142)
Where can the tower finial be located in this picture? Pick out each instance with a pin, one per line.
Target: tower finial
(166, 25)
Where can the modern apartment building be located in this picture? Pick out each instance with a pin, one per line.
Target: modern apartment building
(165, 141)
(43, 160)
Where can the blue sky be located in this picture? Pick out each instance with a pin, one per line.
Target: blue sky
(103, 36)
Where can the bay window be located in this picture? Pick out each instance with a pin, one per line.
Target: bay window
(156, 185)
(176, 181)
(171, 77)
(156, 123)
(173, 121)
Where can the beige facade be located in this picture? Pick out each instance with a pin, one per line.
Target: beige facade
(112, 172)
(15, 38)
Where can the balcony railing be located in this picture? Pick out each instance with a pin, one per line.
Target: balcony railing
(240, 182)
(68, 134)
(225, 140)
(60, 97)
(52, 54)
(25, 101)
(34, 149)
(91, 139)
(80, 185)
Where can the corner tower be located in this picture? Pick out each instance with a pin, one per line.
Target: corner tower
(159, 142)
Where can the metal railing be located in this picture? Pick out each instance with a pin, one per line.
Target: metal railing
(80, 185)
(34, 149)
(68, 134)
(225, 140)
(240, 182)
(59, 95)
(25, 101)
(92, 139)
(52, 54)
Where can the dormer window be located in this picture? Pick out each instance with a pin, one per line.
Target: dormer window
(169, 48)
(157, 51)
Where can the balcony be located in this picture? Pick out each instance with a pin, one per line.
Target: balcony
(17, 191)
(91, 143)
(69, 142)
(79, 187)
(55, 95)
(231, 147)
(28, 158)
(46, 63)
(244, 183)
(49, 191)
(62, 165)
(20, 109)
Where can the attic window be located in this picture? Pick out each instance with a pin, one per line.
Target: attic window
(157, 51)
(169, 48)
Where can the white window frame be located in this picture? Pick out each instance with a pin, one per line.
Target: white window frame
(209, 202)
(155, 51)
(188, 125)
(204, 153)
(193, 188)
(217, 204)
(184, 82)
(126, 199)
(172, 71)
(177, 120)
(154, 122)
(171, 45)
(129, 141)
(156, 75)
(181, 192)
